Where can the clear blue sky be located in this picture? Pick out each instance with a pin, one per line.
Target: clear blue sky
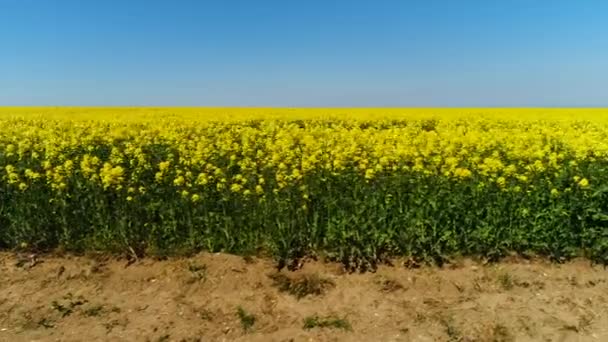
(315, 53)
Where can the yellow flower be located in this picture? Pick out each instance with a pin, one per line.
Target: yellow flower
(179, 181)
(164, 166)
(583, 183)
(369, 174)
(462, 173)
(111, 175)
(13, 178)
(31, 174)
(202, 179)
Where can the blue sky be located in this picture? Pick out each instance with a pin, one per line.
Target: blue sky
(314, 53)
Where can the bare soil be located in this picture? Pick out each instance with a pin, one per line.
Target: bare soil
(70, 298)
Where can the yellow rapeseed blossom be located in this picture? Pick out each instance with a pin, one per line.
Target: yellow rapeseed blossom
(264, 151)
(111, 175)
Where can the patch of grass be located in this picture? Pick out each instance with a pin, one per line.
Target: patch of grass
(327, 322)
(247, 320)
(506, 281)
(198, 272)
(308, 284)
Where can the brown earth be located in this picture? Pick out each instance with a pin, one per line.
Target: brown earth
(69, 298)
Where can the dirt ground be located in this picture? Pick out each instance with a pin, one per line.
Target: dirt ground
(218, 297)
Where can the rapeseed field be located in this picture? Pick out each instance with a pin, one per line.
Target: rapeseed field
(354, 185)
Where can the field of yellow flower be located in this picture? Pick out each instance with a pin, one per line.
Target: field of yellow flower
(355, 185)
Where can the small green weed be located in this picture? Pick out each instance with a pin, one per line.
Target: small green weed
(506, 281)
(198, 272)
(247, 319)
(326, 322)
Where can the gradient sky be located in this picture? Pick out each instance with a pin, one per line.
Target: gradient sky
(313, 53)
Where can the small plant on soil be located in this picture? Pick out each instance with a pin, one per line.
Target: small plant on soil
(198, 272)
(506, 281)
(326, 322)
(308, 284)
(247, 319)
